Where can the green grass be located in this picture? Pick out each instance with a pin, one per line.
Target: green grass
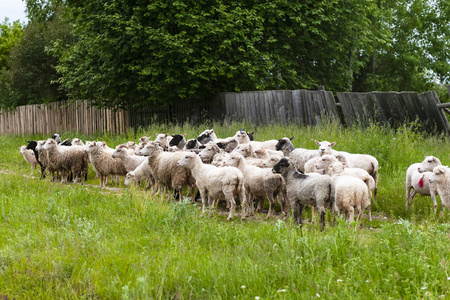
(74, 242)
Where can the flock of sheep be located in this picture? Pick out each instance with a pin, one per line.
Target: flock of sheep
(237, 167)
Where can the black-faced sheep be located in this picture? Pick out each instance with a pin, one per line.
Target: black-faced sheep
(30, 158)
(317, 191)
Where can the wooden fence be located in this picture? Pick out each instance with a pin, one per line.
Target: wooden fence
(302, 107)
(305, 107)
(62, 116)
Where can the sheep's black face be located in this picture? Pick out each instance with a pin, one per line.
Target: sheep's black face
(204, 138)
(250, 135)
(279, 146)
(176, 139)
(31, 145)
(280, 166)
(66, 142)
(222, 145)
(191, 144)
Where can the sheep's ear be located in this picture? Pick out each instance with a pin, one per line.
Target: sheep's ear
(344, 164)
(332, 144)
(185, 134)
(291, 138)
(317, 142)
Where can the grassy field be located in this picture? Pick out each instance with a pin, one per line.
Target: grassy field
(76, 242)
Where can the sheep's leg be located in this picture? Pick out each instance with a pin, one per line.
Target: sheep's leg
(322, 219)
(313, 214)
(298, 209)
(433, 196)
(244, 203)
(271, 205)
(351, 212)
(408, 195)
(369, 210)
(203, 195)
(117, 180)
(232, 206)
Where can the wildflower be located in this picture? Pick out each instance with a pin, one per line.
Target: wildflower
(243, 287)
(256, 298)
(317, 295)
(339, 280)
(281, 291)
(423, 288)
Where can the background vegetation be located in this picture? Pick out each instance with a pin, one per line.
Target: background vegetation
(73, 241)
(120, 53)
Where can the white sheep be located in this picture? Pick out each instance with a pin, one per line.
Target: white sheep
(103, 162)
(165, 170)
(67, 159)
(305, 189)
(417, 182)
(351, 194)
(216, 183)
(131, 162)
(30, 158)
(77, 142)
(213, 155)
(259, 183)
(440, 177)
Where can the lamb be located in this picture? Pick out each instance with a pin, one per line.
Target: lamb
(440, 178)
(30, 158)
(67, 159)
(131, 162)
(77, 142)
(298, 156)
(103, 162)
(417, 179)
(351, 194)
(216, 183)
(365, 162)
(320, 164)
(144, 139)
(303, 189)
(271, 161)
(163, 139)
(142, 172)
(165, 170)
(259, 183)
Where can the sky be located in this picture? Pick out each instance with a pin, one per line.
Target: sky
(13, 10)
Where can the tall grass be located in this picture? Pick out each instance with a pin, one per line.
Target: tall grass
(73, 241)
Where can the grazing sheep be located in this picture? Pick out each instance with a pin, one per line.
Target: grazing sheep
(178, 140)
(351, 194)
(165, 170)
(30, 158)
(417, 176)
(103, 162)
(142, 172)
(298, 156)
(259, 183)
(67, 159)
(131, 162)
(440, 178)
(216, 183)
(302, 189)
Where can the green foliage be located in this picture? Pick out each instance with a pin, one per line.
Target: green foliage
(10, 34)
(136, 53)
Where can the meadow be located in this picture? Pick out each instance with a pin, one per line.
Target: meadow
(81, 242)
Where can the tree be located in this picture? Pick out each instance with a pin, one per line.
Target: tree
(135, 52)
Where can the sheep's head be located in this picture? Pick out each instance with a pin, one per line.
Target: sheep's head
(66, 142)
(207, 154)
(325, 161)
(438, 175)
(282, 143)
(234, 160)
(23, 149)
(31, 145)
(336, 168)
(150, 148)
(188, 160)
(325, 147)
(204, 138)
(428, 164)
(57, 137)
(50, 144)
(77, 142)
(121, 151)
(138, 150)
(143, 139)
(40, 145)
(245, 150)
(192, 144)
(129, 178)
(271, 161)
(131, 145)
(282, 166)
(176, 139)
